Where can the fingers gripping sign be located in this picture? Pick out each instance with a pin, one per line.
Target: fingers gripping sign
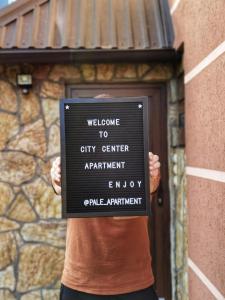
(154, 175)
(154, 171)
(56, 175)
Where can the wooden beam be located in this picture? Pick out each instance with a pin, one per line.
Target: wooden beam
(87, 56)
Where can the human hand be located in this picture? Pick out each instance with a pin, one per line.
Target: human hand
(154, 171)
(56, 175)
(154, 175)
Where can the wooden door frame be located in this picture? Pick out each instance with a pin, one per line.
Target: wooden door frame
(119, 85)
(157, 90)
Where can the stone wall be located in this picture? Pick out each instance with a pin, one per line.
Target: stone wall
(32, 233)
(177, 183)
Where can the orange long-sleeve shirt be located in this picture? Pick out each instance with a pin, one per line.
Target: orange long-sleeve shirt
(108, 255)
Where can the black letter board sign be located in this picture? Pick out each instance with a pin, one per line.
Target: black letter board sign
(104, 157)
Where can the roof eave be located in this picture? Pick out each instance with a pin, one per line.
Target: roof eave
(14, 56)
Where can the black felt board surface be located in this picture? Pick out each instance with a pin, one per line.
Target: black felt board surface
(104, 157)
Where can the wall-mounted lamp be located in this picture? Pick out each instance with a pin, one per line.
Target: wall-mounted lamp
(24, 81)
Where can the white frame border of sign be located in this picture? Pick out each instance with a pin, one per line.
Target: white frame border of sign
(144, 100)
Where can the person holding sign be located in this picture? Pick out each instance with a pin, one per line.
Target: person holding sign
(108, 257)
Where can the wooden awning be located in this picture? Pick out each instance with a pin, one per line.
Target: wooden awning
(84, 29)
